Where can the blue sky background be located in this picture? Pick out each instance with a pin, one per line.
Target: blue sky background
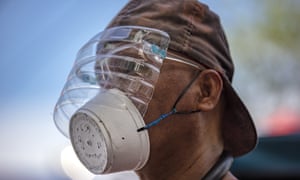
(38, 43)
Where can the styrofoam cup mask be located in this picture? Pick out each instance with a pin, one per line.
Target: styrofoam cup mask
(107, 94)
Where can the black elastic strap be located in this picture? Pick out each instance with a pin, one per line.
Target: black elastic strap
(173, 110)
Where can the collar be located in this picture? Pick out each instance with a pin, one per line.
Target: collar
(220, 168)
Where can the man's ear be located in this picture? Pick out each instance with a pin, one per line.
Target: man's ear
(210, 89)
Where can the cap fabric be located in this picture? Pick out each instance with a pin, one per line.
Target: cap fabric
(196, 34)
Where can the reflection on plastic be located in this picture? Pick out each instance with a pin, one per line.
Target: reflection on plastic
(72, 166)
(74, 169)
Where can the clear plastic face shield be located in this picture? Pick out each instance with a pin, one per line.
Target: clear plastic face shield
(107, 94)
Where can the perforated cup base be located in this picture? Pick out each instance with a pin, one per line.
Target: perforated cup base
(104, 134)
(88, 142)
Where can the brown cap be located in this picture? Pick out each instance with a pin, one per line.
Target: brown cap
(196, 34)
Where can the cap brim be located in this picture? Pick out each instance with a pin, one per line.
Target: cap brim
(239, 131)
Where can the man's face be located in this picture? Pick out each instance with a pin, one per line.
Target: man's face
(173, 132)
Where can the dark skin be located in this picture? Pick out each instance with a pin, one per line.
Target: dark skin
(184, 146)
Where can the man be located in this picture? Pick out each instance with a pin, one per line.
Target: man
(187, 146)
(193, 121)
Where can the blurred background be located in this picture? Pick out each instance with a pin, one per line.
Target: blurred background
(38, 44)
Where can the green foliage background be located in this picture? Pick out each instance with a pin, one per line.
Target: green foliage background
(265, 45)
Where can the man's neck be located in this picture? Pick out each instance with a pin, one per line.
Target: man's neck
(193, 166)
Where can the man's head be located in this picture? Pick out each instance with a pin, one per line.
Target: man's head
(127, 69)
(196, 36)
